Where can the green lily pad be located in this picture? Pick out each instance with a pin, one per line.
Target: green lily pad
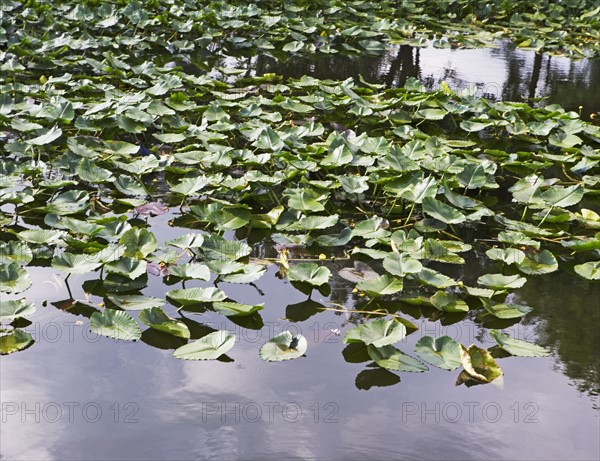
(284, 346)
(16, 340)
(310, 273)
(502, 282)
(381, 286)
(190, 271)
(138, 243)
(18, 252)
(13, 278)
(115, 324)
(518, 347)
(190, 296)
(589, 270)
(209, 347)
(156, 318)
(135, 302)
(441, 211)
(448, 303)
(401, 264)
(393, 359)
(15, 308)
(378, 332)
(76, 263)
(479, 364)
(187, 241)
(129, 267)
(505, 310)
(543, 262)
(442, 352)
(230, 309)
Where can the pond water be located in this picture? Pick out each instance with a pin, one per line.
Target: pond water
(502, 73)
(76, 395)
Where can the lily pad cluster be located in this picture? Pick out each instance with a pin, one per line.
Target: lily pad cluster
(275, 28)
(101, 137)
(375, 341)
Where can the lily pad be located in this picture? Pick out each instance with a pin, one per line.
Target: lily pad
(284, 346)
(505, 310)
(479, 364)
(442, 352)
(14, 341)
(518, 347)
(135, 302)
(381, 286)
(190, 296)
(502, 282)
(12, 309)
(209, 347)
(156, 318)
(310, 273)
(13, 278)
(115, 324)
(393, 359)
(229, 309)
(378, 332)
(589, 270)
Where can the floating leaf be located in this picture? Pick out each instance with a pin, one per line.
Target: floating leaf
(502, 282)
(441, 211)
(442, 352)
(543, 262)
(187, 241)
(18, 252)
(505, 310)
(401, 264)
(393, 359)
(46, 136)
(310, 273)
(284, 346)
(13, 278)
(518, 347)
(448, 303)
(479, 364)
(378, 332)
(76, 264)
(190, 271)
(12, 309)
(138, 243)
(589, 270)
(209, 347)
(380, 286)
(156, 318)
(229, 309)
(129, 267)
(190, 296)
(115, 324)
(135, 302)
(15, 340)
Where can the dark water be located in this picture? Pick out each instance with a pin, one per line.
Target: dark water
(499, 73)
(74, 395)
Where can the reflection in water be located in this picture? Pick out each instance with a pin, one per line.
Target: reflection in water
(570, 325)
(498, 73)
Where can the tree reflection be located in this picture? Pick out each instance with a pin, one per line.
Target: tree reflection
(528, 74)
